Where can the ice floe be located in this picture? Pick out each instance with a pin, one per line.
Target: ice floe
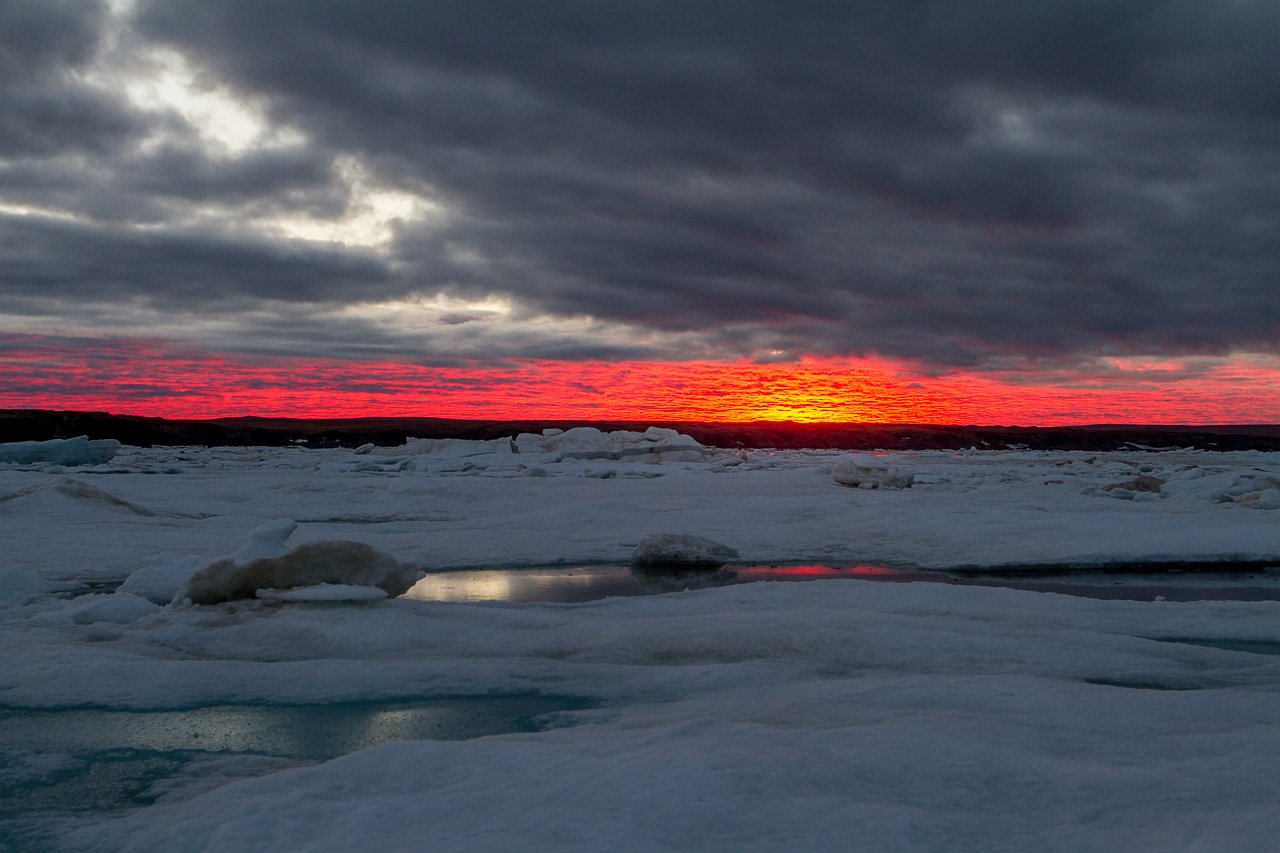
(653, 445)
(69, 452)
(867, 472)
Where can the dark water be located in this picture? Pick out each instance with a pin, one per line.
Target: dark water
(314, 732)
(106, 759)
(569, 584)
(1253, 647)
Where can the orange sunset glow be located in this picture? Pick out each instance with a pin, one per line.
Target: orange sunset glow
(154, 379)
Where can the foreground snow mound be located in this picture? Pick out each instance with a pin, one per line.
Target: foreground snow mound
(60, 451)
(652, 445)
(162, 576)
(266, 540)
(670, 551)
(867, 472)
(329, 562)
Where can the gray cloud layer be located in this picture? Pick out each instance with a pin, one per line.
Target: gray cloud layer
(963, 183)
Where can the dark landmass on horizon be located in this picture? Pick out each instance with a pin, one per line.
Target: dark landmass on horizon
(43, 424)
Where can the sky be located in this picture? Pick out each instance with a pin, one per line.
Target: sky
(990, 211)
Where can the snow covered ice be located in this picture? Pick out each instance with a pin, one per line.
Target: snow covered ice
(824, 715)
(60, 451)
(867, 472)
(328, 568)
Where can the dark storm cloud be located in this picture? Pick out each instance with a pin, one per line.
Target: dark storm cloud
(956, 182)
(47, 106)
(152, 187)
(179, 270)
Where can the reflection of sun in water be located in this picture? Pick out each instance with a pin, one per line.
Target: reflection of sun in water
(462, 586)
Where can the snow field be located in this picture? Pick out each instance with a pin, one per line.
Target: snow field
(824, 715)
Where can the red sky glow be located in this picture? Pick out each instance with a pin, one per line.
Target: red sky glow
(153, 378)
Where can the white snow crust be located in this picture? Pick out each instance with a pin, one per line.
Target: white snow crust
(823, 715)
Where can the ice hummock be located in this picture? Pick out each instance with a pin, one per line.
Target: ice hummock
(328, 562)
(68, 452)
(868, 472)
(680, 551)
(653, 445)
(266, 568)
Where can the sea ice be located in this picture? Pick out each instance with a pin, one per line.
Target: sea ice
(260, 565)
(867, 472)
(1144, 483)
(652, 445)
(1260, 499)
(1256, 490)
(118, 607)
(266, 540)
(60, 451)
(453, 448)
(681, 551)
(752, 717)
(163, 575)
(759, 718)
(20, 585)
(68, 487)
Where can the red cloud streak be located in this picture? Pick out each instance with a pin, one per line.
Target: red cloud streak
(155, 378)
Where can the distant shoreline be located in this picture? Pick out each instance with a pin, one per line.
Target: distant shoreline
(44, 424)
